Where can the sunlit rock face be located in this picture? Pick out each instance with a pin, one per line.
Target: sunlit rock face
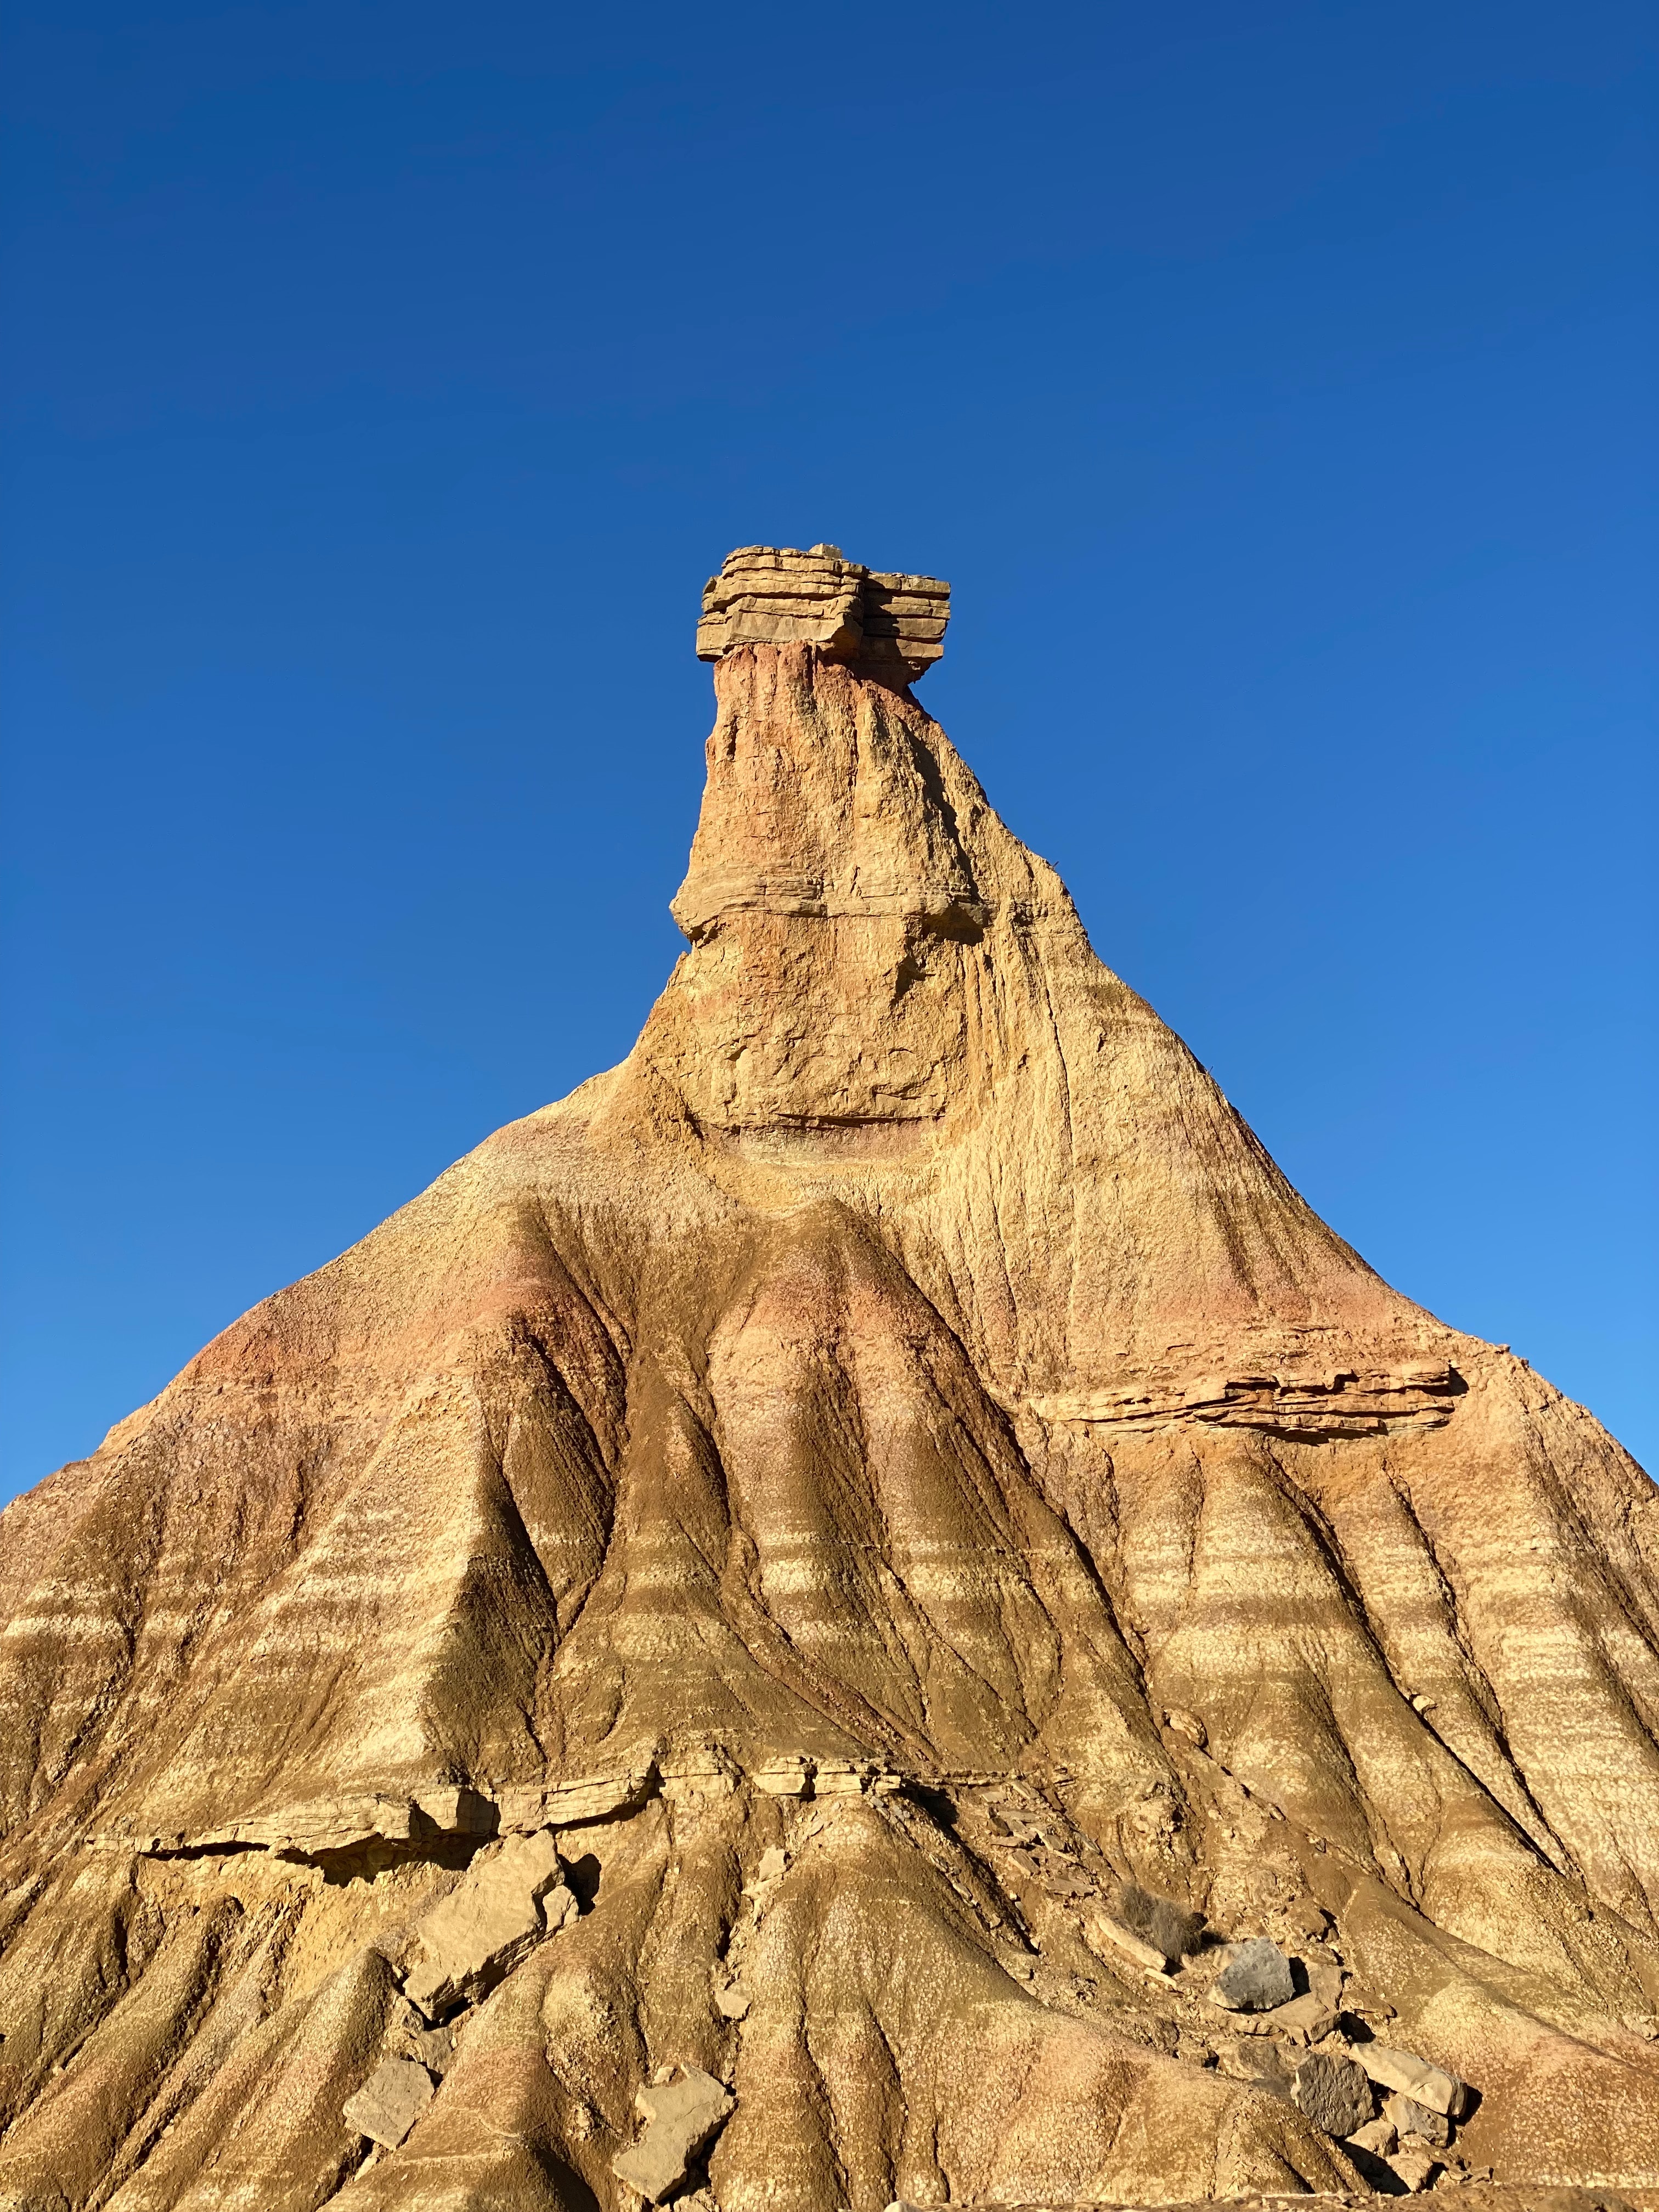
(800, 1565)
(832, 906)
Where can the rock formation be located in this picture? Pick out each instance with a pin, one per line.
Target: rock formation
(890, 628)
(777, 1630)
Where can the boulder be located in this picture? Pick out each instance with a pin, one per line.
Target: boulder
(682, 2118)
(1334, 2092)
(1411, 2118)
(1415, 2167)
(412, 2038)
(1255, 1978)
(490, 1920)
(1415, 2078)
(1325, 1975)
(1377, 2136)
(1309, 1916)
(389, 2102)
(1305, 2019)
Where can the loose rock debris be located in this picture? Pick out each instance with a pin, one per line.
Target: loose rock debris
(1414, 2078)
(389, 2102)
(682, 2116)
(500, 1910)
(1334, 2093)
(1256, 1978)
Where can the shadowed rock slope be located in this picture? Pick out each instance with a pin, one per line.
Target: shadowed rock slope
(893, 1478)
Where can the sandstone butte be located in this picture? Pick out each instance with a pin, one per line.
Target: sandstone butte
(724, 1650)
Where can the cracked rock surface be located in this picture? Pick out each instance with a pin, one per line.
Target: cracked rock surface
(389, 2102)
(778, 1563)
(503, 1905)
(682, 2116)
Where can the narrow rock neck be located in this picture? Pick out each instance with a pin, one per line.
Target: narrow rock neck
(846, 898)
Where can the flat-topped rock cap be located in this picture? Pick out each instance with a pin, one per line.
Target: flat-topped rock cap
(890, 625)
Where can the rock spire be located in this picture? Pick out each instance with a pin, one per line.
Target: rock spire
(869, 1606)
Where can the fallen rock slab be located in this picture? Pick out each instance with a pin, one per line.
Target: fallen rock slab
(1256, 1978)
(493, 1918)
(682, 2118)
(1377, 2136)
(1334, 2092)
(1325, 1980)
(1304, 2020)
(1415, 2168)
(1415, 2078)
(1263, 2064)
(1411, 2118)
(389, 2102)
(1102, 1928)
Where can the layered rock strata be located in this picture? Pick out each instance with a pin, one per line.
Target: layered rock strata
(841, 1559)
(888, 626)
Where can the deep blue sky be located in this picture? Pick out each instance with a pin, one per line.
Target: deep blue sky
(1273, 383)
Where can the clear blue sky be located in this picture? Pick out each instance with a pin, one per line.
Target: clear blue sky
(1273, 383)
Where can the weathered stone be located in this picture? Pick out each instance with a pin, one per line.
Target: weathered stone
(1304, 2020)
(1414, 2165)
(1378, 2136)
(840, 1777)
(1414, 2077)
(1262, 2064)
(682, 2118)
(778, 595)
(494, 1917)
(1103, 1929)
(599, 1797)
(389, 2102)
(1334, 2092)
(412, 2037)
(1411, 2118)
(1256, 1978)
(1325, 1980)
(784, 1777)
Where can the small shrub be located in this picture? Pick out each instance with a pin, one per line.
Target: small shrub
(1169, 1928)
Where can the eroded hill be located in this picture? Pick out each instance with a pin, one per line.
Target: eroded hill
(793, 1555)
